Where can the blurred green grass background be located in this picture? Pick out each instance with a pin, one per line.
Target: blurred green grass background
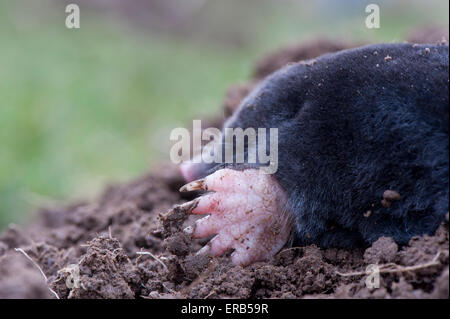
(80, 108)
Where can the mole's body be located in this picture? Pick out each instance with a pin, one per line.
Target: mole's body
(351, 125)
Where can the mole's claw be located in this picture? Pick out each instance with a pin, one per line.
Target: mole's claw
(204, 251)
(190, 206)
(194, 186)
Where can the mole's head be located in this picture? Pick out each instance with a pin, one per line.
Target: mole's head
(237, 148)
(249, 138)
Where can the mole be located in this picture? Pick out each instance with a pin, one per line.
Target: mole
(363, 152)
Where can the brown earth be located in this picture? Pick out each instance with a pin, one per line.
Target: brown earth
(128, 244)
(428, 34)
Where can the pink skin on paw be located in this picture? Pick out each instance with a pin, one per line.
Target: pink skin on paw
(247, 212)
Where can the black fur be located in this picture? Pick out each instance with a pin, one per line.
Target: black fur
(351, 125)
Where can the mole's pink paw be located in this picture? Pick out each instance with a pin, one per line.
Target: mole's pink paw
(247, 212)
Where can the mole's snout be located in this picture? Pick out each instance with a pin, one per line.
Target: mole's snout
(192, 171)
(186, 169)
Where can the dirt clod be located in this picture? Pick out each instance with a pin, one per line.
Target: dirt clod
(384, 250)
(391, 195)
